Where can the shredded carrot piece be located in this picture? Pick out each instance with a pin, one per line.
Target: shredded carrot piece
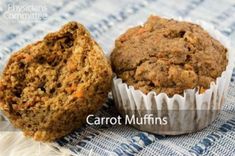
(79, 94)
(71, 66)
(140, 31)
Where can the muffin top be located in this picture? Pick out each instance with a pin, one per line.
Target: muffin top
(168, 56)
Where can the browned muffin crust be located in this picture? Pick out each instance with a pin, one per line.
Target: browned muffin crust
(168, 56)
(48, 88)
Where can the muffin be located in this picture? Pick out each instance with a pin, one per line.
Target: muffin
(48, 88)
(169, 65)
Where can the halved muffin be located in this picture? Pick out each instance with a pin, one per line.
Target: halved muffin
(48, 88)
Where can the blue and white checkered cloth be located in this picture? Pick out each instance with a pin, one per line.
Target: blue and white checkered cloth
(106, 20)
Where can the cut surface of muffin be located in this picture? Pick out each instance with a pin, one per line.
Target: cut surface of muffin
(48, 88)
(168, 56)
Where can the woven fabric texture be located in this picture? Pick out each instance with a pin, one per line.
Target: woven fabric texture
(106, 20)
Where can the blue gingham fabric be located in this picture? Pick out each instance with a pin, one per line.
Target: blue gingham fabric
(24, 21)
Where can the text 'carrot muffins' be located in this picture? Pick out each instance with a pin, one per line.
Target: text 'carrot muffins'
(169, 66)
(48, 88)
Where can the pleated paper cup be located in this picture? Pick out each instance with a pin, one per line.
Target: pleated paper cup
(185, 113)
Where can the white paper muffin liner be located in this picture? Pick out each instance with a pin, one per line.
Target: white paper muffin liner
(185, 114)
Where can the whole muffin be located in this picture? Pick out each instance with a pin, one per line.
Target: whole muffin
(48, 88)
(168, 56)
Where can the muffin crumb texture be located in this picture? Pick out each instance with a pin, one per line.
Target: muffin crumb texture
(168, 56)
(48, 88)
